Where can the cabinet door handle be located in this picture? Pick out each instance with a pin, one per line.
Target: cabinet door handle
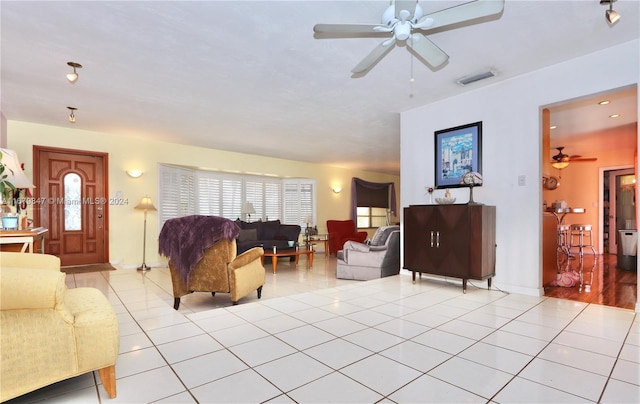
(431, 238)
(437, 239)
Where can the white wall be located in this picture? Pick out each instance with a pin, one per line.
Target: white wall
(512, 146)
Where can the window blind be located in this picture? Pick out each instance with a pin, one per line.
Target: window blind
(184, 191)
(176, 193)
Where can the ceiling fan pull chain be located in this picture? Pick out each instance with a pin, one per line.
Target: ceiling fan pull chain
(411, 79)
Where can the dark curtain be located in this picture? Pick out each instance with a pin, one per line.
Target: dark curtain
(372, 194)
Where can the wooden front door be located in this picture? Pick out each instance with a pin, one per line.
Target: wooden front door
(71, 201)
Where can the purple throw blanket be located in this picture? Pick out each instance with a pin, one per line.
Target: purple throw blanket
(184, 240)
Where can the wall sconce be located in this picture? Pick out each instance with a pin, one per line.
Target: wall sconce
(336, 190)
(73, 77)
(72, 116)
(134, 173)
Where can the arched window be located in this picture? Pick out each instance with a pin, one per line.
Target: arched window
(72, 199)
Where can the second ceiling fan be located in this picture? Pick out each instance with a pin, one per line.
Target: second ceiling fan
(406, 23)
(562, 160)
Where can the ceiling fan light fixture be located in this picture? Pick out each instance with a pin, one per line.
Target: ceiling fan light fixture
(560, 164)
(73, 77)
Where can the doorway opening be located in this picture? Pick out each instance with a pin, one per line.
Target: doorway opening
(600, 159)
(618, 206)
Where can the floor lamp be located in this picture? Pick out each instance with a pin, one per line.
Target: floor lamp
(146, 205)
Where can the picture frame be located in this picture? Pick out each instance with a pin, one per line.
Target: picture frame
(457, 151)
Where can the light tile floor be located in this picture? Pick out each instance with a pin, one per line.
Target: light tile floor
(315, 338)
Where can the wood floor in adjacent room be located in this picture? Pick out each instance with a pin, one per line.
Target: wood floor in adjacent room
(606, 285)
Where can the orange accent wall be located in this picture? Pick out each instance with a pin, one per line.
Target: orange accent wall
(579, 181)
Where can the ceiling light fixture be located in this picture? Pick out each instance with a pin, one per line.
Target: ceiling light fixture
(611, 15)
(614, 116)
(553, 127)
(73, 77)
(560, 164)
(604, 102)
(72, 116)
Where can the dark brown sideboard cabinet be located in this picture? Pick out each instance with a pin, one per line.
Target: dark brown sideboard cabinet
(458, 241)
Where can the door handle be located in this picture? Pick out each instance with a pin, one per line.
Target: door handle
(431, 238)
(437, 239)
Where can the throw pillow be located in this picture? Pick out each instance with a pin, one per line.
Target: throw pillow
(354, 245)
(382, 234)
(248, 235)
(270, 229)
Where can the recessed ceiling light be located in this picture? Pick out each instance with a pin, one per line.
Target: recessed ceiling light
(605, 102)
(553, 127)
(614, 116)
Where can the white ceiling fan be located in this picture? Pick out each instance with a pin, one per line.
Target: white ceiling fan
(406, 22)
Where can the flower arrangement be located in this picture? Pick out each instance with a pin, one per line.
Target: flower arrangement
(430, 193)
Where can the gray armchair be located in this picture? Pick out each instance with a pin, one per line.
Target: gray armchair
(378, 258)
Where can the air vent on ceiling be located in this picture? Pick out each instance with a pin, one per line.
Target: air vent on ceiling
(476, 77)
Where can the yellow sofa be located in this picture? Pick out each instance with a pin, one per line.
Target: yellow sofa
(49, 333)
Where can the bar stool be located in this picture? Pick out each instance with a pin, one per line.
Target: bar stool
(564, 245)
(582, 232)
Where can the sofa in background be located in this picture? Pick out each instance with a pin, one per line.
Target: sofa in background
(266, 235)
(378, 258)
(50, 333)
(341, 231)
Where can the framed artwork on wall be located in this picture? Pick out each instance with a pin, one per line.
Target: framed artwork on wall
(458, 151)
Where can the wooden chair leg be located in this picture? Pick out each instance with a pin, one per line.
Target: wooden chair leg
(176, 302)
(108, 379)
(259, 292)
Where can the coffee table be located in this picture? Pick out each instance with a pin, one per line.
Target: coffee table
(288, 252)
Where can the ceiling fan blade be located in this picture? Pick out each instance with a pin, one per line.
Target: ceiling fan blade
(345, 28)
(427, 50)
(460, 13)
(583, 159)
(374, 56)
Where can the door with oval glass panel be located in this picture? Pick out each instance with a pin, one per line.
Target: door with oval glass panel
(70, 200)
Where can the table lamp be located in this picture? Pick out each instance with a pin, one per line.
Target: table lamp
(248, 209)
